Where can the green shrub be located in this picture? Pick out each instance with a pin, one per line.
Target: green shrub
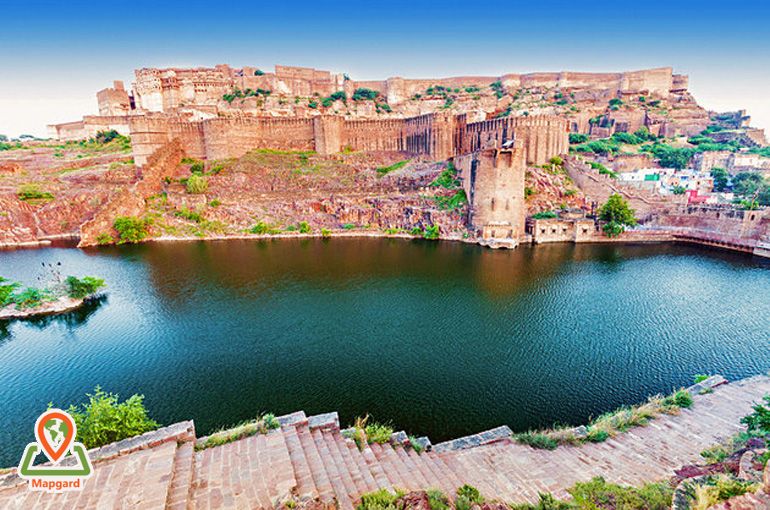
(30, 297)
(437, 500)
(447, 178)
(680, 398)
(304, 227)
(626, 138)
(197, 184)
(104, 238)
(215, 203)
(131, 229)
(471, 493)
(605, 146)
(262, 425)
(597, 435)
(260, 228)
(104, 419)
(759, 421)
(6, 291)
(33, 192)
(258, 72)
(537, 440)
(325, 232)
(575, 138)
(378, 500)
(598, 493)
(79, 288)
(384, 170)
(362, 94)
(544, 215)
(349, 226)
(431, 232)
(189, 214)
(615, 101)
(545, 502)
(378, 433)
(454, 202)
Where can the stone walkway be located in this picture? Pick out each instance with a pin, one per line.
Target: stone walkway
(310, 458)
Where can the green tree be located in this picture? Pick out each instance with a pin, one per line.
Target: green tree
(720, 177)
(617, 215)
(104, 419)
(131, 229)
(747, 183)
(79, 288)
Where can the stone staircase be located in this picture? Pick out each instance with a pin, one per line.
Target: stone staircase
(310, 458)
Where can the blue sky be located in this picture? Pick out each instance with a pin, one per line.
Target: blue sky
(57, 54)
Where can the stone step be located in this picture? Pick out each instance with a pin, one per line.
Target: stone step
(414, 470)
(358, 477)
(446, 470)
(346, 475)
(333, 471)
(358, 457)
(315, 463)
(432, 471)
(382, 480)
(283, 483)
(394, 468)
(306, 488)
(180, 492)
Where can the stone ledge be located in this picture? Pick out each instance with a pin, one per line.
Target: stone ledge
(489, 436)
(293, 419)
(706, 385)
(330, 421)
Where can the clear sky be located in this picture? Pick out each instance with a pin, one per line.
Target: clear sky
(57, 54)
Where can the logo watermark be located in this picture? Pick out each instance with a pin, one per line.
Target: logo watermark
(55, 432)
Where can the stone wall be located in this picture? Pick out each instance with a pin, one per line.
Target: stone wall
(439, 136)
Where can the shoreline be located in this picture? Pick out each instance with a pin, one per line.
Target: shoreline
(629, 237)
(62, 305)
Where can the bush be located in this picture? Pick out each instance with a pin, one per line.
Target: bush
(30, 297)
(447, 178)
(33, 192)
(325, 232)
(197, 184)
(106, 136)
(384, 170)
(104, 419)
(626, 138)
(378, 433)
(598, 494)
(362, 94)
(131, 229)
(304, 227)
(680, 398)
(258, 72)
(537, 440)
(104, 238)
(544, 215)
(6, 291)
(431, 232)
(471, 493)
(577, 138)
(453, 202)
(437, 500)
(378, 500)
(81, 288)
(260, 228)
(759, 421)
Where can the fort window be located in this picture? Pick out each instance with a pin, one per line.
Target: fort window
(542, 231)
(585, 230)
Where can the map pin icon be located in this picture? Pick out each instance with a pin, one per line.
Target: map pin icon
(54, 431)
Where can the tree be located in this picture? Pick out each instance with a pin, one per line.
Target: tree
(721, 177)
(617, 215)
(747, 183)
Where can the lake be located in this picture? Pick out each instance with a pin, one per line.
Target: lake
(438, 338)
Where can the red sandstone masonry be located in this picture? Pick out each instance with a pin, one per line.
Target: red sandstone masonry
(130, 201)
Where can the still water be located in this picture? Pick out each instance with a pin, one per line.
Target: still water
(438, 338)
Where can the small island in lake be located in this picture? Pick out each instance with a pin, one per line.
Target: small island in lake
(61, 295)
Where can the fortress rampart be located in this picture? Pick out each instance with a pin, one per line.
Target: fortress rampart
(439, 135)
